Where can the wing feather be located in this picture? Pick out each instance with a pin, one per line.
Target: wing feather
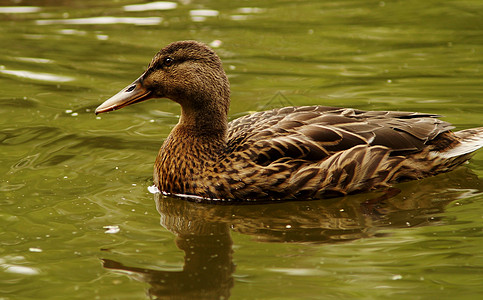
(316, 132)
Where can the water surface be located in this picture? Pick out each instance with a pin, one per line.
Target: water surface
(77, 220)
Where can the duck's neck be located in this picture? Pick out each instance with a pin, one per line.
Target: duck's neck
(210, 122)
(196, 141)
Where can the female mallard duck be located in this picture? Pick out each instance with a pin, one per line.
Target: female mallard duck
(288, 153)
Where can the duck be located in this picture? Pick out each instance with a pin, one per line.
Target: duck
(288, 153)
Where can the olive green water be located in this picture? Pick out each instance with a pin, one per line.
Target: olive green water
(77, 220)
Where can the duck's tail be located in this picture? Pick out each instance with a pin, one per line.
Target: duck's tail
(470, 141)
(424, 164)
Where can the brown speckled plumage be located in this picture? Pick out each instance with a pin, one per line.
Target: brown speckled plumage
(288, 153)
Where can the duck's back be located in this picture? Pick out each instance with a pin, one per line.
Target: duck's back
(317, 151)
(316, 131)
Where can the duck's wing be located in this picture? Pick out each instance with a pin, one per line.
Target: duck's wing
(315, 132)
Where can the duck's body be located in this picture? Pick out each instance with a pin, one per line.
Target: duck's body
(289, 153)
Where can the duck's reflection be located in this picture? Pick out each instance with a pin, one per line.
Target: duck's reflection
(208, 266)
(203, 230)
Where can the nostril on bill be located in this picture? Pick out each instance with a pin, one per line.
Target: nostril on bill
(131, 88)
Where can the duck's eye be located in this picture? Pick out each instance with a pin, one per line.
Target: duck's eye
(168, 61)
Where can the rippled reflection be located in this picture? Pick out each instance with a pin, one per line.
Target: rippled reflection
(160, 5)
(203, 230)
(19, 9)
(104, 20)
(37, 76)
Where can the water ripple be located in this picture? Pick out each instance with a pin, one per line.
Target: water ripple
(34, 60)
(104, 20)
(37, 76)
(160, 5)
(200, 15)
(19, 9)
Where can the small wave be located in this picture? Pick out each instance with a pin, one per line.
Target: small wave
(160, 5)
(19, 9)
(103, 20)
(37, 76)
(153, 189)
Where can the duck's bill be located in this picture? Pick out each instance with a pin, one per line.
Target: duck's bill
(133, 93)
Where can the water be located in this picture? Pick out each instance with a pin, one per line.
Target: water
(77, 220)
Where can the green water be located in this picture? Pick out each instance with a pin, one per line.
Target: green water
(77, 220)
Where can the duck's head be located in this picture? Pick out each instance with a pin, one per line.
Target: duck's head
(187, 72)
